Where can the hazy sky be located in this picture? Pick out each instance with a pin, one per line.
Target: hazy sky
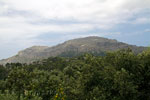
(24, 23)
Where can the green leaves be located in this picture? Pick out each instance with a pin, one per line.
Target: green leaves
(120, 75)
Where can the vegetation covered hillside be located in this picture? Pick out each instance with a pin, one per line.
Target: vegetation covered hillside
(93, 44)
(120, 75)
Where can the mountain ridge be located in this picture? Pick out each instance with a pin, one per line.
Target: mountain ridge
(71, 48)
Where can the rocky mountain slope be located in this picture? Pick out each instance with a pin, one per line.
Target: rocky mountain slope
(70, 48)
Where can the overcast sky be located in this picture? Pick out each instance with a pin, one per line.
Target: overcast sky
(24, 23)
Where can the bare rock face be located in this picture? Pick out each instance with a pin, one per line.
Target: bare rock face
(70, 48)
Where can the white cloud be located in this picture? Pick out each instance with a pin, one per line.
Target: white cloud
(141, 20)
(100, 13)
(103, 11)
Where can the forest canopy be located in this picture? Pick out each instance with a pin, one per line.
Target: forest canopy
(119, 75)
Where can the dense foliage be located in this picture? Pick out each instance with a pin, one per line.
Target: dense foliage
(120, 75)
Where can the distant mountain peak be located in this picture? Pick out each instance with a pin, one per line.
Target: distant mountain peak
(70, 48)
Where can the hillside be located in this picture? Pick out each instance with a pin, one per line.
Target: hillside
(70, 48)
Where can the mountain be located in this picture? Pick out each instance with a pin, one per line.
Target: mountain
(92, 44)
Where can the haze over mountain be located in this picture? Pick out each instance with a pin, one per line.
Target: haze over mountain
(92, 44)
